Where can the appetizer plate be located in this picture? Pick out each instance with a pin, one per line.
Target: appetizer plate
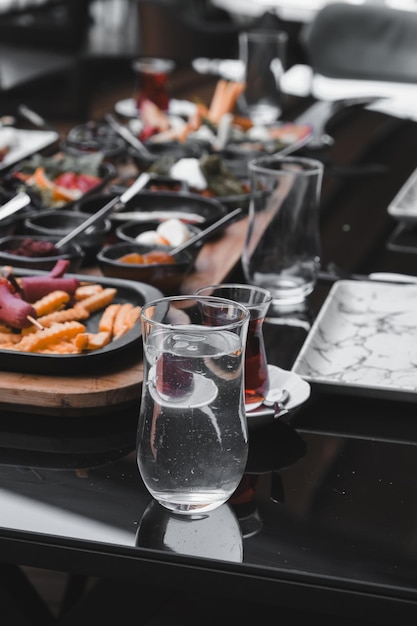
(279, 379)
(127, 108)
(44, 193)
(363, 341)
(20, 144)
(404, 206)
(281, 138)
(116, 352)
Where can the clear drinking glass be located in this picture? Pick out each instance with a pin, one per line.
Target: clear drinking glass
(283, 246)
(192, 439)
(257, 301)
(152, 81)
(263, 55)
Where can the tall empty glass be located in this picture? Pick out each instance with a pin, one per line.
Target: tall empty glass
(283, 245)
(263, 55)
(192, 439)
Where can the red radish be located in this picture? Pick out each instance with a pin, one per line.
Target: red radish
(14, 311)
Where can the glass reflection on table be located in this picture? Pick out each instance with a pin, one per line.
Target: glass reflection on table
(215, 534)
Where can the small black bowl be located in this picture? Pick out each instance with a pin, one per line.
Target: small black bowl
(165, 277)
(71, 251)
(58, 223)
(167, 153)
(153, 205)
(129, 231)
(95, 137)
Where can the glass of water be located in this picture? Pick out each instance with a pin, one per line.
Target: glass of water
(192, 441)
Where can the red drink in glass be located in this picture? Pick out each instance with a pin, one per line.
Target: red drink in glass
(152, 78)
(256, 366)
(257, 301)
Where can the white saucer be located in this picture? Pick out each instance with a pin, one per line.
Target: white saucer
(299, 391)
(126, 108)
(177, 108)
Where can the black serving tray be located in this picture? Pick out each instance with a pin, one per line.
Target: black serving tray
(129, 345)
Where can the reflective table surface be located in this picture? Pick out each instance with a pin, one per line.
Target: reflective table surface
(326, 514)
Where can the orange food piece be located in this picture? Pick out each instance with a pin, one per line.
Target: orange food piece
(158, 256)
(58, 193)
(150, 258)
(132, 257)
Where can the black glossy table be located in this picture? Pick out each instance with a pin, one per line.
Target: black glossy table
(326, 516)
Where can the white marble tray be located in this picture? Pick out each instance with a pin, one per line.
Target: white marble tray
(364, 341)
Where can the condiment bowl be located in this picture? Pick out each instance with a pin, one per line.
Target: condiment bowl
(12, 248)
(153, 205)
(130, 231)
(167, 277)
(58, 223)
(95, 137)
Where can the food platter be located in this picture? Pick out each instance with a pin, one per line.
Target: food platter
(128, 108)
(77, 178)
(127, 346)
(21, 143)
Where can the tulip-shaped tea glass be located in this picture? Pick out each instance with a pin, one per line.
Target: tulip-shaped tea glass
(283, 247)
(192, 442)
(151, 81)
(257, 301)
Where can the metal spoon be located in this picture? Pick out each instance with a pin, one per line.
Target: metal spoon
(33, 117)
(206, 232)
(278, 402)
(275, 404)
(115, 204)
(19, 201)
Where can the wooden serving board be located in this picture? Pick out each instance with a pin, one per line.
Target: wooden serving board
(101, 393)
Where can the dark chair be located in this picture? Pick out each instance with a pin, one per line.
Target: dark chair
(371, 42)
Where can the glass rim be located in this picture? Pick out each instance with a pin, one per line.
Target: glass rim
(189, 298)
(159, 64)
(264, 34)
(263, 165)
(266, 292)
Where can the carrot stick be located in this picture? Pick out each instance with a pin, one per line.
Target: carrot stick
(234, 91)
(216, 105)
(243, 122)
